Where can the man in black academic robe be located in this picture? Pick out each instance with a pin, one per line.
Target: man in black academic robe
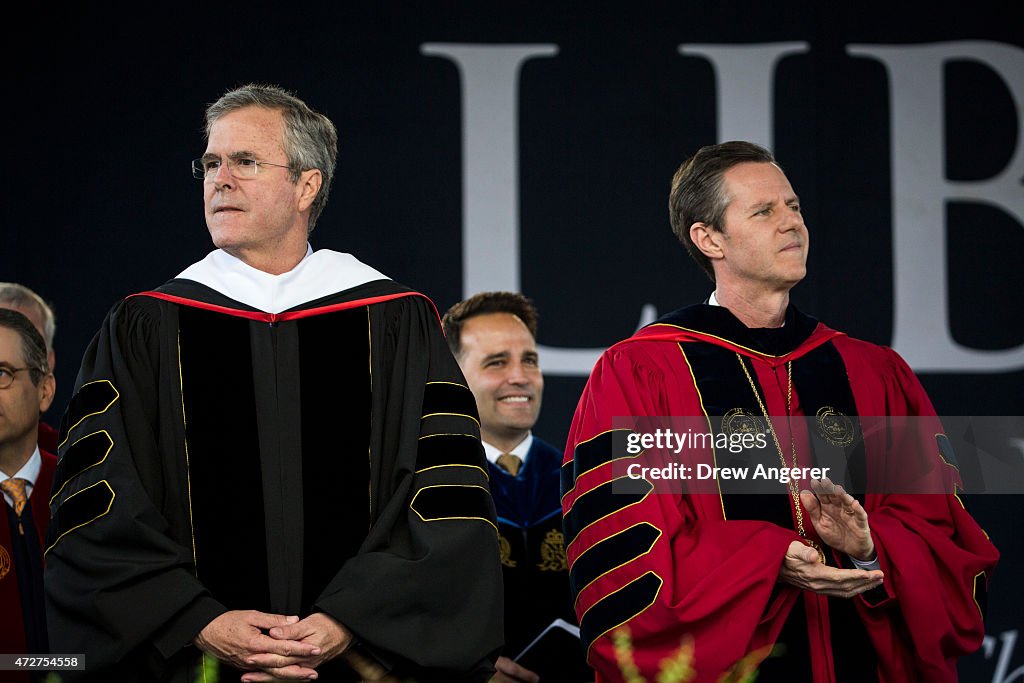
(264, 439)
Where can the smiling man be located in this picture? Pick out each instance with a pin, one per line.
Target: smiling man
(886, 586)
(493, 336)
(272, 458)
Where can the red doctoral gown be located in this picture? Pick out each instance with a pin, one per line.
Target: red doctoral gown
(675, 566)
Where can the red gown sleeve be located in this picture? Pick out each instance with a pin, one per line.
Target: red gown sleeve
(936, 558)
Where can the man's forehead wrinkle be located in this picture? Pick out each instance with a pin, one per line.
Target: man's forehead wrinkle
(238, 154)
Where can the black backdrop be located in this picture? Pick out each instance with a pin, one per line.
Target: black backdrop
(898, 124)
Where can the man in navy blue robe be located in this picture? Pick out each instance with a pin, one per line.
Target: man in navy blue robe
(493, 336)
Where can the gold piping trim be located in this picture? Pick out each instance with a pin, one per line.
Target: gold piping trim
(974, 593)
(438, 486)
(596, 578)
(936, 436)
(471, 436)
(434, 467)
(79, 526)
(700, 398)
(470, 417)
(661, 582)
(949, 464)
(454, 384)
(728, 341)
(580, 476)
(369, 453)
(188, 464)
(427, 436)
(624, 507)
(110, 447)
(117, 395)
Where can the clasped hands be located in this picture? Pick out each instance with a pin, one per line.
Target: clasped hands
(842, 523)
(271, 647)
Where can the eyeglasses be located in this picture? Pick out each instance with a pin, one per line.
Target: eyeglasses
(7, 375)
(205, 168)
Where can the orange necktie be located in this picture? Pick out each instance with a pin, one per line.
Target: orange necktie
(15, 488)
(510, 463)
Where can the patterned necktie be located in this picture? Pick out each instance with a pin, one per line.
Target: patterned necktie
(15, 488)
(510, 463)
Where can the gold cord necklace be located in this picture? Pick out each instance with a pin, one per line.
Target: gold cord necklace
(794, 491)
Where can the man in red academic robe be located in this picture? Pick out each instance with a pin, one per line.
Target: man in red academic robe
(26, 474)
(803, 581)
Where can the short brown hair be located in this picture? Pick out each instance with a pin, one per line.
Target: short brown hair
(698, 192)
(481, 304)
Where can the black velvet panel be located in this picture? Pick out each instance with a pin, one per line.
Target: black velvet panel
(593, 453)
(93, 398)
(87, 452)
(443, 397)
(224, 457)
(601, 501)
(790, 660)
(724, 387)
(28, 571)
(79, 509)
(720, 322)
(453, 502)
(821, 382)
(946, 450)
(536, 588)
(619, 607)
(448, 449)
(335, 396)
(852, 651)
(568, 477)
(610, 553)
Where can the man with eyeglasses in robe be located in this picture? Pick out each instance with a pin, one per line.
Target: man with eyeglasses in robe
(26, 475)
(260, 460)
(18, 297)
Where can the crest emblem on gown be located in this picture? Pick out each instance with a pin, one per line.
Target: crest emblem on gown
(505, 551)
(552, 552)
(834, 427)
(5, 562)
(739, 421)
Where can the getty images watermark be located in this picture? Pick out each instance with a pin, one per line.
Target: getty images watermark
(744, 453)
(667, 440)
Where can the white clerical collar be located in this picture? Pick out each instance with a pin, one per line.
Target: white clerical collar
(317, 275)
(492, 452)
(29, 472)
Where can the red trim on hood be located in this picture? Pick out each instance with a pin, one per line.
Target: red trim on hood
(281, 317)
(666, 332)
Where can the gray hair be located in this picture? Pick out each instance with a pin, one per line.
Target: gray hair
(310, 139)
(19, 296)
(33, 348)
